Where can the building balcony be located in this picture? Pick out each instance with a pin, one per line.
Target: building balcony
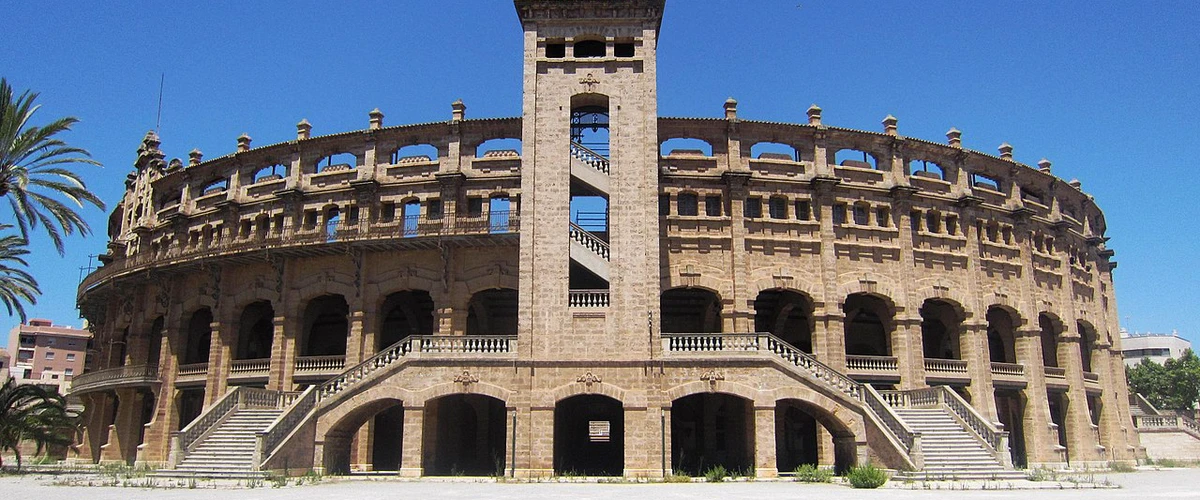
(112, 378)
(1008, 374)
(946, 371)
(881, 368)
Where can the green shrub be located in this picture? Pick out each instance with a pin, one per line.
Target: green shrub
(1121, 467)
(716, 474)
(809, 473)
(866, 476)
(677, 478)
(1041, 474)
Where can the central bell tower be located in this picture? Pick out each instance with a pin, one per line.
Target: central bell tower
(589, 278)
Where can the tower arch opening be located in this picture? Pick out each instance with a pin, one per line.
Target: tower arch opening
(493, 312)
(326, 326)
(404, 313)
(868, 325)
(256, 331)
(464, 435)
(711, 429)
(785, 314)
(589, 436)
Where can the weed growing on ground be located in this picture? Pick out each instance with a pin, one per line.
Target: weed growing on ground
(1121, 467)
(716, 474)
(866, 476)
(676, 477)
(809, 473)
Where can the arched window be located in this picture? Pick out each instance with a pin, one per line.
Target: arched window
(855, 159)
(214, 186)
(270, 173)
(414, 153)
(685, 146)
(499, 148)
(337, 162)
(927, 169)
(590, 48)
(774, 151)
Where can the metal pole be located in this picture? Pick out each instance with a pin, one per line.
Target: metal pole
(662, 432)
(513, 453)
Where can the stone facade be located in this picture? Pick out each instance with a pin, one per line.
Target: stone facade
(726, 310)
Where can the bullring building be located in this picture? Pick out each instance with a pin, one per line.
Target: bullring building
(592, 289)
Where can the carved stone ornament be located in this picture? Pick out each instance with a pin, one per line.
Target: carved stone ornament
(588, 379)
(590, 82)
(466, 379)
(712, 377)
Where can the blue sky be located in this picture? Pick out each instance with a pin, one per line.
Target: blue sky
(1108, 91)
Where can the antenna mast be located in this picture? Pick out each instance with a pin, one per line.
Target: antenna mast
(158, 118)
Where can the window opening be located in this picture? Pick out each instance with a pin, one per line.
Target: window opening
(753, 208)
(589, 128)
(712, 206)
(777, 207)
(623, 49)
(687, 204)
(590, 48)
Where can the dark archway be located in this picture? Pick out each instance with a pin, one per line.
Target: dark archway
(256, 331)
(199, 337)
(589, 436)
(1049, 333)
(154, 342)
(1087, 344)
(787, 315)
(1001, 335)
(868, 323)
(493, 312)
(405, 313)
(190, 402)
(1059, 406)
(464, 435)
(941, 326)
(797, 436)
(690, 310)
(1010, 409)
(711, 429)
(387, 437)
(326, 326)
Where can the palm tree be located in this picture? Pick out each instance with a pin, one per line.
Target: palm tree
(31, 413)
(16, 285)
(32, 172)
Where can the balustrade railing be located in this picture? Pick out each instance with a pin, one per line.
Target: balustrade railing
(288, 234)
(250, 366)
(710, 342)
(589, 240)
(908, 437)
(483, 344)
(129, 374)
(943, 396)
(192, 369)
(1091, 376)
(298, 405)
(1011, 369)
(587, 298)
(320, 363)
(216, 413)
(1055, 372)
(591, 158)
(936, 365)
(872, 363)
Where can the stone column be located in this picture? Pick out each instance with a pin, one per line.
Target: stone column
(218, 357)
(1112, 436)
(829, 338)
(909, 351)
(973, 345)
(642, 443)
(1081, 439)
(278, 378)
(540, 441)
(735, 320)
(1040, 440)
(127, 426)
(166, 416)
(413, 438)
(355, 350)
(765, 464)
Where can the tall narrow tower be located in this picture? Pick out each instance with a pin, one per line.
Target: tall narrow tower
(589, 276)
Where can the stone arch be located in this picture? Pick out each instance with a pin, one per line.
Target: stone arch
(1051, 329)
(942, 326)
(799, 415)
(870, 321)
(493, 312)
(716, 386)
(492, 281)
(691, 310)
(576, 449)
(1003, 322)
(1088, 337)
(786, 278)
(787, 313)
(840, 418)
(872, 284)
(329, 282)
(464, 433)
(245, 296)
(424, 396)
(395, 280)
(339, 434)
(402, 313)
(695, 275)
(572, 389)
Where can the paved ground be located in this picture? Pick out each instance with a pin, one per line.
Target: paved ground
(1142, 485)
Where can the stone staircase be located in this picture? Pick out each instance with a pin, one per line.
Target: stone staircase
(951, 452)
(228, 451)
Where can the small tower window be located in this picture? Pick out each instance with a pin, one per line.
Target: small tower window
(590, 48)
(556, 50)
(623, 49)
(687, 204)
(712, 205)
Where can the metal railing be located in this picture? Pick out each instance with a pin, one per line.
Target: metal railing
(587, 298)
(589, 241)
(122, 375)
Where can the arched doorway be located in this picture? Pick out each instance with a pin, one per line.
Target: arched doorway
(493, 312)
(785, 314)
(325, 326)
(199, 337)
(1050, 329)
(589, 436)
(711, 429)
(690, 310)
(256, 331)
(1001, 335)
(799, 439)
(941, 326)
(868, 323)
(405, 313)
(383, 445)
(464, 436)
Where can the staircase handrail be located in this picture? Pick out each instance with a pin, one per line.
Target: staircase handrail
(1145, 404)
(358, 372)
(592, 158)
(589, 240)
(296, 410)
(203, 424)
(905, 434)
(980, 426)
(818, 369)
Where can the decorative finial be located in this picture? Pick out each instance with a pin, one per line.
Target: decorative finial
(1006, 151)
(954, 137)
(303, 130)
(731, 109)
(243, 143)
(195, 157)
(1044, 165)
(814, 115)
(889, 125)
(376, 119)
(459, 110)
